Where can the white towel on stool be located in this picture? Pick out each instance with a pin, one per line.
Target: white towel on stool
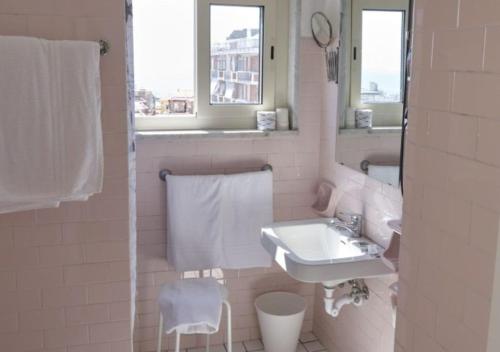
(215, 221)
(192, 306)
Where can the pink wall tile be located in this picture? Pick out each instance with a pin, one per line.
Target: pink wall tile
(453, 227)
(38, 278)
(479, 13)
(473, 93)
(105, 252)
(46, 291)
(42, 319)
(109, 292)
(13, 25)
(487, 142)
(113, 331)
(69, 336)
(37, 235)
(61, 255)
(492, 50)
(88, 314)
(428, 16)
(22, 341)
(8, 322)
(458, 49)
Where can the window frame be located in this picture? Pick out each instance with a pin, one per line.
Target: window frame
(274, 73)
(384, 114)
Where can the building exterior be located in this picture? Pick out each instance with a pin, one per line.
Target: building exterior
(235, 69)
(145, 102)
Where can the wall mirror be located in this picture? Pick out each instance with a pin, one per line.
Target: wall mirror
(372, 86)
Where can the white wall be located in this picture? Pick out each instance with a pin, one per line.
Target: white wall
(331, 8)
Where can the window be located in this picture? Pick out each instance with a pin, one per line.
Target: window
(228, 42)
(202, 64)
(382, 57)
(378, 65)
(164, 84)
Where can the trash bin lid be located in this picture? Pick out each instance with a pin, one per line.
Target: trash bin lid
(280, 303)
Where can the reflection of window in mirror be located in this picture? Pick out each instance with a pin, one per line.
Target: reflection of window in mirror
(377, 58)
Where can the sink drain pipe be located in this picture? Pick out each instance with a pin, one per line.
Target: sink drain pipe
(358, 294)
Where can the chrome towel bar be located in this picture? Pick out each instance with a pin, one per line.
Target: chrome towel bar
(165, 172)
(365, 164)
(104, 47)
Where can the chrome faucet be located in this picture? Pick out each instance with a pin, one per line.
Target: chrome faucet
(352, 223)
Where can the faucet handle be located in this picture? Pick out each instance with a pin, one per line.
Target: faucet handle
(352, 218)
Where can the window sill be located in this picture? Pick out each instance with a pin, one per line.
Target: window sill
(196, 134)
(374, 130)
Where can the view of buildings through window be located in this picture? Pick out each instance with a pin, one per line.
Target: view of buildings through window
(235, 56)
(164, 59)
(382, 56)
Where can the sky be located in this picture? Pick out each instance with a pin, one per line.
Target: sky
(164, 41)
(225, 19)
(382, 44)
(163, 45)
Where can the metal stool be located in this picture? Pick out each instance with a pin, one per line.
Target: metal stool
(178, 334)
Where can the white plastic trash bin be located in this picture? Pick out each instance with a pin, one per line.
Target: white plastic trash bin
(280, 318)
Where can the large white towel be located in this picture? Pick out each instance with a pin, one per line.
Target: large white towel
(215, 221)
(50, 129)
(192, 306)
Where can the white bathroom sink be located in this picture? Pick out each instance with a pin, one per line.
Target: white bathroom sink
(315, 251)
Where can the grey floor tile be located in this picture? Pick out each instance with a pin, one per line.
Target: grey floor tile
(253, 345)
(314, 346)
(218, 348)
(238, 347)
(307, 337)
(301, 348)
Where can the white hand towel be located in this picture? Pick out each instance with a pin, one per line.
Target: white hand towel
(191, 306)
(215, 221)
(194, 222)
(247, 208)
(50, 128)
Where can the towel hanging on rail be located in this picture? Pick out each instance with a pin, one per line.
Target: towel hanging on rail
(215, 221)
(50, 128)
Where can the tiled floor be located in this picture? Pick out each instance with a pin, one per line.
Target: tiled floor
(308, 343)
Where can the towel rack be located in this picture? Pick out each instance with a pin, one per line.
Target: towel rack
(165, 172)
(104, 47)
(364, 166)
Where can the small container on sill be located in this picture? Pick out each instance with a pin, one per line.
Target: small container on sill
(266, 120)
(363, 118)
(282, 119)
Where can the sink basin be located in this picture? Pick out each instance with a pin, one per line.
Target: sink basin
(316, 251)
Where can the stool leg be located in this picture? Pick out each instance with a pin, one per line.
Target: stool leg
(229, 328)
(208, 343)
(160, 333)
(177, 341)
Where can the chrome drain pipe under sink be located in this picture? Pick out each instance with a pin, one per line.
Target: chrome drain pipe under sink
(357, 295)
